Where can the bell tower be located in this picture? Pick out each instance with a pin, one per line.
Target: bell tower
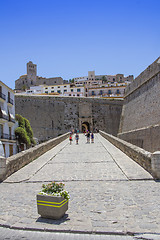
(31, 73)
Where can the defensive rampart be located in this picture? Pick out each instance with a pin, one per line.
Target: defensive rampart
(140, 119)
(19, 160)
(51, 116)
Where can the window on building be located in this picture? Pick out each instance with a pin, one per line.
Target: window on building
(58, 91)
(10, 133)
(93, 93)
(71, 90)
(10, 150)
(77, 95)
(118, 92)
(52, 87)
(100, 92)
(58, 86)
(46, 88)
(31, 82)
(1, 130)
(65, 90)
(78, 89)
(44, 82)
(113, 79)
(69, 94)
(109, 91)
(65, 86)
(4, 147)
(52, 91)
(46, 92)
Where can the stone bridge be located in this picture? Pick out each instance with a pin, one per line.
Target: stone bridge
(110, 193)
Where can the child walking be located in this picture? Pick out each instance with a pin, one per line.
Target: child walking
(70, 139)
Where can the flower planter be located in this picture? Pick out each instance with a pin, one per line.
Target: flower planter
(51, 206)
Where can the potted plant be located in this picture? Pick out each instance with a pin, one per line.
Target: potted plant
(52, 201)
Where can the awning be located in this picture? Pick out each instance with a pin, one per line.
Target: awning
(4, 112)
(12, 116)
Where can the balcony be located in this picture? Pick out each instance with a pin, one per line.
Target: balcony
(10, 101)
(2, 96)
(7, 136)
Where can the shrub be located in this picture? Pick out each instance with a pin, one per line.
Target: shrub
(22, 136)
(28, 128)
(24, 132)
(20, 119)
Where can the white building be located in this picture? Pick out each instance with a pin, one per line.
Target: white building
(104, 85)
(108, 91)
(7, 120)
(65, 90)
(61, 90)
(35, 90)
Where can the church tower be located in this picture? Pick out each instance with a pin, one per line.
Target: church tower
(31, 73)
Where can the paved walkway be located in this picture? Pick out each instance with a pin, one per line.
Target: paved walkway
(110, 193)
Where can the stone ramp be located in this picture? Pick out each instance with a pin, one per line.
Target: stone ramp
(101, 161)
(110, 193)
(129, 167)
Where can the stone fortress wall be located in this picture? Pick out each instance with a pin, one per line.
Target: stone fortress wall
(51, 116)
(140, 120)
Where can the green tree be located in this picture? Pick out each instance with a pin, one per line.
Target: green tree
(24, 87)
(22, 136)
(104, 79)
(71, 80)
(20, 119)
(24, 131)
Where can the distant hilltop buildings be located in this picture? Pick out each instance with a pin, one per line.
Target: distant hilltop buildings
(31, 79)
(108, 86)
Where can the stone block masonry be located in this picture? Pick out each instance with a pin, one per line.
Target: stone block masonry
(140, 120)
(51, 116)
(19, 160)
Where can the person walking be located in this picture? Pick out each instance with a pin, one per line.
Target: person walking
(92, 137)
(77, 138)
(70, 139)
(88, 137)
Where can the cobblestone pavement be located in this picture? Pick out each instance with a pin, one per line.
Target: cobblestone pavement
(110, 193)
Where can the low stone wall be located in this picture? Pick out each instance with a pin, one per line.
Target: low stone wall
(149, 161)
(146, 138)
(19, 160)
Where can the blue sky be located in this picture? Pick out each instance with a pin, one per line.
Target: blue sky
(69, 38)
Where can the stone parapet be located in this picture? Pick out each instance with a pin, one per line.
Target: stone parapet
(19, 160)
(146, 75)
(146, 138)
(148, 161)
(156, 164)
(2, 168)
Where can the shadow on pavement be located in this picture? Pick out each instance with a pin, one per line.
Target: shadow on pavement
(52, 221)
